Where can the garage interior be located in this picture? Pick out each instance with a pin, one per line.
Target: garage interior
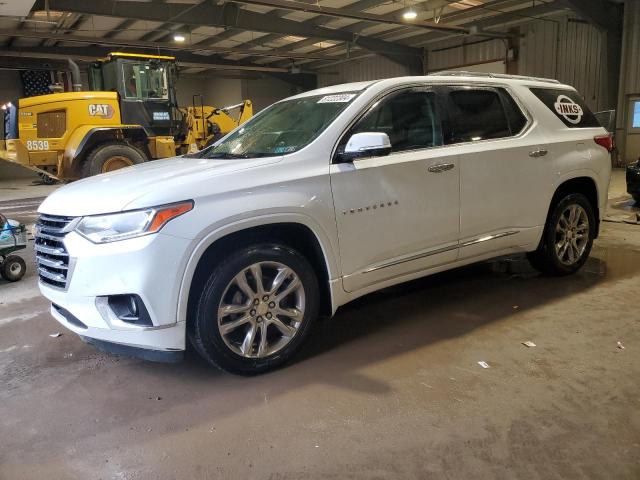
(391, 386)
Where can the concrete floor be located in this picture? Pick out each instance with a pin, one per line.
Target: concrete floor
(389, 388)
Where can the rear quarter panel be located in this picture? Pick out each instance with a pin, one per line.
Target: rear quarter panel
(574, 151)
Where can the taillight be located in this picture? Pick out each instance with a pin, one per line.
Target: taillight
(605, 141)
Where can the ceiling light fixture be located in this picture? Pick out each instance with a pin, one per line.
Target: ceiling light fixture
(410, 14)
(179, 38)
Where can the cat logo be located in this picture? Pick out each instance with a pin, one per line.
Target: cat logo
(568, 109)
(102, 110)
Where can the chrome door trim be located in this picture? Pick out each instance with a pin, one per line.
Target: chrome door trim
(486, 238)
(417, 256)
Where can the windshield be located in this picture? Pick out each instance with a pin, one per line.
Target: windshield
(283, 128)
(145, 81)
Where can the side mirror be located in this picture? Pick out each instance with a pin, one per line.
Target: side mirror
(366, 144)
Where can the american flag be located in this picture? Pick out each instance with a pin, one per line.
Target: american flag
(37, 82)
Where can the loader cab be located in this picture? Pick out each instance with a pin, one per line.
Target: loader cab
(146, 88)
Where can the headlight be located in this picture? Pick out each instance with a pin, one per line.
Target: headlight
(121, 226)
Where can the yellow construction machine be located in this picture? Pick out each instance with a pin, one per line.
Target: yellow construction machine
(128, 116)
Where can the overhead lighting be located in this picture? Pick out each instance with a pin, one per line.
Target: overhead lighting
(410, 14)
(46, 13)
(324, 44)
(293, 38)
(179, 38)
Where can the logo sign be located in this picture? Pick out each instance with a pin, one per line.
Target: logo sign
(161, 116)
(102, 110)
(568, 109)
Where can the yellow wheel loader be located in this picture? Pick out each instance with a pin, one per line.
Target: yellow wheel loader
(128, 116)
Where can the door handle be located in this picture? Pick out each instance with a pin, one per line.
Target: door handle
(440, 167)
(538, 153)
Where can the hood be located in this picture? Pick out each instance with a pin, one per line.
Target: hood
(152, 183)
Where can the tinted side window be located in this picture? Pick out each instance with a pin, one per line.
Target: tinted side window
(516, 118)
(568, 106)
(474, 114)
(409, 118)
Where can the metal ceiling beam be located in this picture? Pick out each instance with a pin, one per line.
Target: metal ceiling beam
(231, 16)
(603, 14)
(304, 80)
(452, 18)
(319, 20)
(468, 18)
(164, 27)
(23, 63)
(155, 45)
(353, 14)
(90, 54)
(121, 26)
(489, 22)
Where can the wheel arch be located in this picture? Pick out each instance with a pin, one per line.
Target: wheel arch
(295, 232)
(582, 183)
(89, 140)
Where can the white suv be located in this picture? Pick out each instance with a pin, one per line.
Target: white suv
(319, 199)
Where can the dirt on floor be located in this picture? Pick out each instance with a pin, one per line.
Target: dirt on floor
(391, 387)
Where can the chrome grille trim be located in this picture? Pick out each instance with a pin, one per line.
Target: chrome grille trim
(50, 251)
(51, 263)
(52, 258)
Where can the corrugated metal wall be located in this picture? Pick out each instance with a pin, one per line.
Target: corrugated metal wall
(570, 50)
(369, 68)
(560, 46)
(452, 53)
(630, 75)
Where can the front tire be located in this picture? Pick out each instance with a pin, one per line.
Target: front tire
(255, 309)
(110, 157)
(567, 238)
(13, 268)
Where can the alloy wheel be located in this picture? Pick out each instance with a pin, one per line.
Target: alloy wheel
(572, 234)
(261, 309)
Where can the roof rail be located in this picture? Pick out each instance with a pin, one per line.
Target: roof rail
(462, 73)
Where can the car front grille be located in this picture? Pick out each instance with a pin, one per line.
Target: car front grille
(52, 257)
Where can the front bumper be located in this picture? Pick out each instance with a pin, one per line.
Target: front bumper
(148, 266)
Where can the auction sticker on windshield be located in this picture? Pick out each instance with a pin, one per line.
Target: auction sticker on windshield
(341, 98)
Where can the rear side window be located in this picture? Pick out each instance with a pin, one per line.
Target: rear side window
(568, 106)
(517, 120)
(474, 114)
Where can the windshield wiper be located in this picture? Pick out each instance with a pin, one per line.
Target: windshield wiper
(226, 155)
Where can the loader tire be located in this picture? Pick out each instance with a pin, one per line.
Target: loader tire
(109, 157)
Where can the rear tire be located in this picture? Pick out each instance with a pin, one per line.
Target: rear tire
(247, 328)
(109, 157)
(567, 238)
(13, 268)
(636, 198)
